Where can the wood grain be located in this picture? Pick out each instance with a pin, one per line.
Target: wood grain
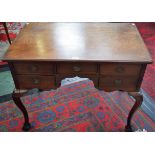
(35, 81)
(73, 67)
(45, 68)
(112, 55)
(105, 42)
(120, 69)
(124, 83)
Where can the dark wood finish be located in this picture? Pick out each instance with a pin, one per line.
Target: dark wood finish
(120, 69)
(112, 55)
(35, 81)
(76, 68)
(16, 98)
(10, 64)
(45, 68)
(111, 83)
(139, 98)
(105, 42)
(6, 31)
(141, 75)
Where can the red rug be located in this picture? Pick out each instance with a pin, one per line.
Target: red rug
(45, 113)
(147, 31)
(82, 108)
(13, 29)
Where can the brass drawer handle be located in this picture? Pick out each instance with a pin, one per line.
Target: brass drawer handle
(34, 68)
(118, 82)
(36, 81)
(119, 69)
(76, 68)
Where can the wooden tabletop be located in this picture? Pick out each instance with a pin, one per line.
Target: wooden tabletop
(105, 42)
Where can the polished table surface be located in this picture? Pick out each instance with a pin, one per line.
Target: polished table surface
(112, 55)
(113, 42)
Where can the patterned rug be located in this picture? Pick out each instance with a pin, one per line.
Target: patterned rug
(147, 31)
(10, 122)
(82, 108)
(13, 29)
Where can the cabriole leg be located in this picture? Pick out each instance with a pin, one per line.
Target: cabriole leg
(16, 98)
(139, 98)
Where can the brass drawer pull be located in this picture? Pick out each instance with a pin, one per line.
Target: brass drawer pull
(34, 68)
(118, 82)
(119, 69)
(76, 68)
(36, 81)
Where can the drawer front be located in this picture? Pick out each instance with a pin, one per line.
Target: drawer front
(34, 81)
(118, 83)
(76, 68)
(119, 69)
(61, 77)
(44, 68)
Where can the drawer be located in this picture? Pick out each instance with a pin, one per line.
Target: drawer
(44, 68)
(119, 69)
(84, 68)
(126, 83)
(35, 81)
(61, 77)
